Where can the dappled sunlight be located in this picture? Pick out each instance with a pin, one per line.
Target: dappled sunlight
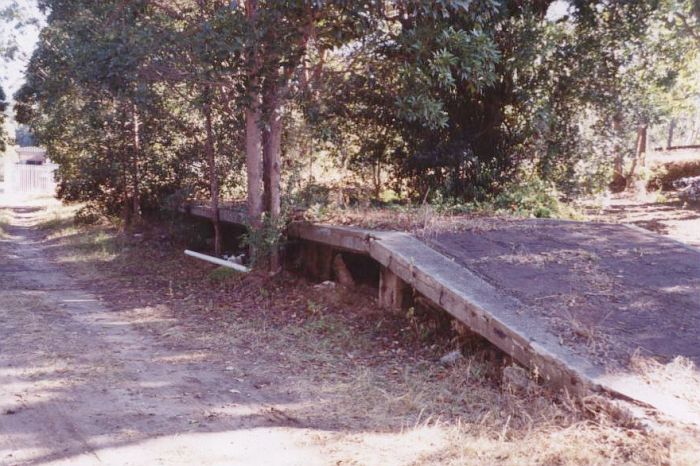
(468, 232)
(159, 362)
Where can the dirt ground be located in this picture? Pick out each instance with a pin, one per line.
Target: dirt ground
(115, 349)
(661, 213)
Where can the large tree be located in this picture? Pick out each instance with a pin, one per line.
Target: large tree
(144, 100)
(87, 104)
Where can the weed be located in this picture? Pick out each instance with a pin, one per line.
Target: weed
(222, 275)
(266, 239)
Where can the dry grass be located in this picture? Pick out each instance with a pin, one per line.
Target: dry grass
(678, 378)
(365, 383)
(423, 221)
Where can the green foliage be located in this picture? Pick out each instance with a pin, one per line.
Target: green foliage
(526, 196)
(141, 104)
(87, 215)
(265, 239)
(124, 125)
(312, 194)
(531, 197)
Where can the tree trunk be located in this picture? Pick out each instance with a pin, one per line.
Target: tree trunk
(126, 203)
(671, 129)
(253, 134)
(692, 134)
(377, 179)
(272, 155)
(642, 136)
(136, 197)
(640, 154)
(618, 181)
(254, 163)
(213, 178)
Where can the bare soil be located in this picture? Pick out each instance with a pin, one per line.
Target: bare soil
(661, 213)
(115, 349)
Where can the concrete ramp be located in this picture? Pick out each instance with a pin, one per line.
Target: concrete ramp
(588, 307)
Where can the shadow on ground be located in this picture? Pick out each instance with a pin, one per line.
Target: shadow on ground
(117, 350)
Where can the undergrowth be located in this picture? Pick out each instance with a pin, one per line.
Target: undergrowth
(528, 197)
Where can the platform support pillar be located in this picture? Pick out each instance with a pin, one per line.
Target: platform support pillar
(392, 291)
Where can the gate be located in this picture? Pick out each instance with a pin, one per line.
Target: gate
(31, 179)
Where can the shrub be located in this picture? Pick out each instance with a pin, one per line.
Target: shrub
(88, 215)
(531, 197)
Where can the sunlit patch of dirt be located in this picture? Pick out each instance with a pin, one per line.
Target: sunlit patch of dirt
(662, 213)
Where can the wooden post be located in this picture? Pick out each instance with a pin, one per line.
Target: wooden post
(342, 274)
(392, 290)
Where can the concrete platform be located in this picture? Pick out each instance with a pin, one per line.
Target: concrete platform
(622, 300)
(586, 306)
(605, 291)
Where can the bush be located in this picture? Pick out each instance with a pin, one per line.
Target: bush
(88, 215)
(529, 198)
(689, 189)
(266, 239)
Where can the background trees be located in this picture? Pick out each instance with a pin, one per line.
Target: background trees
(143, 102)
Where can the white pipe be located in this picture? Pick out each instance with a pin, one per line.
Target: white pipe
(216, 260)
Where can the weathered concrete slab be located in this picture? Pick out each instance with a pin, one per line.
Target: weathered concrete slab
(608, 294)
(350, 239)
(483, 308)
(234, 214)
(605, 291)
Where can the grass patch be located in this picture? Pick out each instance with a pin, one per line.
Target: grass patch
(91, 244)
(222, 275)
(56, 220)
(97, 245)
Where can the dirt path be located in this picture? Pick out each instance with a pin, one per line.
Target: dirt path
(79, 384)
(671, 217)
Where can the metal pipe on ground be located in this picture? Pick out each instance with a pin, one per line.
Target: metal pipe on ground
(217, 261)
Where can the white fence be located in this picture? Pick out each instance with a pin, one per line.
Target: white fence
(30, 179)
